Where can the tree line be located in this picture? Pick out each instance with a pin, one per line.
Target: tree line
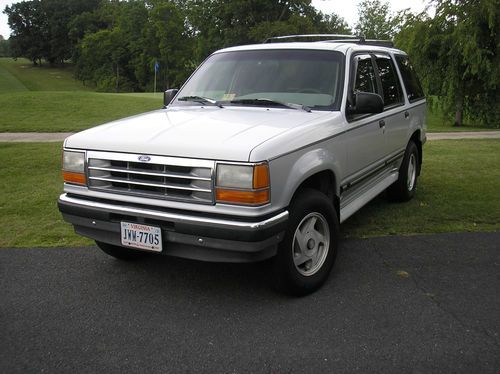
(115, 45)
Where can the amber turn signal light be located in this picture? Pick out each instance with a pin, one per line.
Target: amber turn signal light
(261, 176)
(243, 197)
(76, 178)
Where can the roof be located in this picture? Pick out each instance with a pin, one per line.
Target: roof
(339, 46)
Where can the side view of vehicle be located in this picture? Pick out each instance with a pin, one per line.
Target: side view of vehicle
(262, 153)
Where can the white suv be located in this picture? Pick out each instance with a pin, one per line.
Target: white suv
(261, 154)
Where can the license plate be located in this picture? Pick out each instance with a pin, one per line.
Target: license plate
(141, 236)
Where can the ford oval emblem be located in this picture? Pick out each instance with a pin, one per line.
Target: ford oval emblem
(144, 158)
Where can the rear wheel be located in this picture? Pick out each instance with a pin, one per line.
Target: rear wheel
(307, 253)
(404, 188)
(121, 253)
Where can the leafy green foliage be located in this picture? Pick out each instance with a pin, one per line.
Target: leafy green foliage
(40, 28)
(375, 20)
(116, 44)
(4, 47)
(456, 52)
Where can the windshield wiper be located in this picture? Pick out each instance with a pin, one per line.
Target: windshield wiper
(200, 99)
(266, 102)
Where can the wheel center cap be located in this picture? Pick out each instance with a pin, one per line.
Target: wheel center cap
(310, 244)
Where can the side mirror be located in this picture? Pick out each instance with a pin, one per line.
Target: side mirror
(367, 102)
(168, 95)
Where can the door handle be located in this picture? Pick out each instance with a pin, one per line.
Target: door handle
(407, 114)
(381, 123)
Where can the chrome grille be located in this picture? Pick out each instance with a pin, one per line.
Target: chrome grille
(162, 177)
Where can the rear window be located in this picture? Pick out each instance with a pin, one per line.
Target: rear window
(410, 79)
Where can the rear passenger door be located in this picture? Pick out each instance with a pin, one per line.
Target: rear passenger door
(395, 116)
(366, 144)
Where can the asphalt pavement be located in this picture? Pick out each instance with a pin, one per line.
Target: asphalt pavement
(417, 304)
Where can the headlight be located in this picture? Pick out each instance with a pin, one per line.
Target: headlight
(74, 167)
(243, 184)
(236, 176)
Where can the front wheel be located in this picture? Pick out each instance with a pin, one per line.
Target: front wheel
(307, 253)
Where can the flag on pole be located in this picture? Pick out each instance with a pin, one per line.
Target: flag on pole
(157, 67)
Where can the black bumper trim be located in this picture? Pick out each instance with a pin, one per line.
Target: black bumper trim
(181, 239)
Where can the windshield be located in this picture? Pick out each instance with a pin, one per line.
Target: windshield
(305, 77)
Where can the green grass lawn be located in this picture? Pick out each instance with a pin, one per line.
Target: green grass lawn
(40, 78)
(46, 111)
(8, 82)
(458, 191)
(30, 182)
(45, 99)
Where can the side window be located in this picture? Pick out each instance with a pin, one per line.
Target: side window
(365, 75)
(391, 88)
(410, 79)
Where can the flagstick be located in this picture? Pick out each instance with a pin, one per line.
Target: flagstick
(155, 83)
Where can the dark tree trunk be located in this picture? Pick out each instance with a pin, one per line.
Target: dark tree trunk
(117, 78)
(459, 107)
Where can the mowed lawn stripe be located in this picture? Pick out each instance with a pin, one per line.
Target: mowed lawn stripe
(9, 83)
(43, 78)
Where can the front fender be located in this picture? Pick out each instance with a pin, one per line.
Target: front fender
(290, 171)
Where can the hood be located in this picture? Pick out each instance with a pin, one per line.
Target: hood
(228, 133)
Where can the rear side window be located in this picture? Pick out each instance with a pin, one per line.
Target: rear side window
(410, 79)
(365, 75)
(391, 88)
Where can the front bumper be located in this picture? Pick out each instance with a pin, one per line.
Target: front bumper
(200, 237)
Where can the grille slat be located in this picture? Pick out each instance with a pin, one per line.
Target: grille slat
(139, 183)
(140, 172)
(164, 177)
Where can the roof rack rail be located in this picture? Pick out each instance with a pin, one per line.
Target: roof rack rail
(334, 38)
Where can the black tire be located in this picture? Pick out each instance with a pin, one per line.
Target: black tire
(294, 279)
(121, 253)
(404, 188)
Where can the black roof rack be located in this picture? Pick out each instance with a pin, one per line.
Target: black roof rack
(334, 38)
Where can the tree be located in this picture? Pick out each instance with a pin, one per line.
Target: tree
(457, 53)
(107, 57)
(169, 43)
(375, 20)
(29, 32)
(40, 28)
(4, 47)
(223, 23)
(334, 24)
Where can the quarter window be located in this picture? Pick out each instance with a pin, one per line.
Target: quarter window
(410, 79)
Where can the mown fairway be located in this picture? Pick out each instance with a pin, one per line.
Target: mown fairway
(43, 99)
(458, 191)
